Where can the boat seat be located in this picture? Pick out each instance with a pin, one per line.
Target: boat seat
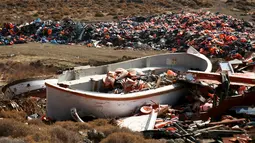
(97, 77)
(82, 80)
(154, 69)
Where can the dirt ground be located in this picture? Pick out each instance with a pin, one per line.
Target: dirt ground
(35, 59)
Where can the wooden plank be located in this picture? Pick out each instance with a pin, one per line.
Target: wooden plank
(235, 79)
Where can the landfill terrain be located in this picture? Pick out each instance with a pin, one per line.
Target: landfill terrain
(26, 54)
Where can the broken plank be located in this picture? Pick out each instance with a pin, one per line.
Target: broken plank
(226, 122)
(245, 100)
(235, 79)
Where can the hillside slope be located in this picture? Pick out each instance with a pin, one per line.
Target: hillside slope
(102, 10)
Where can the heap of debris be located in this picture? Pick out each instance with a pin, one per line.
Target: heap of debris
(219, 106)
(213, 34)
(133, 80)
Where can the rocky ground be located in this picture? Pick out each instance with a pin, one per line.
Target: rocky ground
(34, 59)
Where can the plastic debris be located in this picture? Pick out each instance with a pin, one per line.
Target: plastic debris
(133, 80)
(244, 110)
(33, 116)
(139, 123)
(213, 34)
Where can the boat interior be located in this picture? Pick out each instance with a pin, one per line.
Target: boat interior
(90, 78)
(94, 83)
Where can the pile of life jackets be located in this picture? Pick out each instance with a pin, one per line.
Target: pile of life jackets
(132, 80)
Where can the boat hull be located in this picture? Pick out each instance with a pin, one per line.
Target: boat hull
(26, 87)
(62, 101)
(74, 88)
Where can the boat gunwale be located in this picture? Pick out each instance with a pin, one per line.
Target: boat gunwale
(208, 69)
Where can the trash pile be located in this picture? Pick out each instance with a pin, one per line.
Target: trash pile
(213, 34)
(134, 80)
(30, 105)
(186, 122)
(162, 121)
(218, 108)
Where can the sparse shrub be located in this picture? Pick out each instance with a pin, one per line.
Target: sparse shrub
(10, 140)
(112, 13)
(74, 126)
(13, 128)
(17, 115)
(155, 141)
(79, 10)
(62, 135)
(8, 18)
(56, 16)
(99, 14)
(35, 15)
(66, 11)
(115, 17)
(121, 137)
(99, 122)
(16, 70)
(41, 135)
(37, 122)
(41, 12)
(31, 8)
(29, 139)
(109, 129)
(120, 13)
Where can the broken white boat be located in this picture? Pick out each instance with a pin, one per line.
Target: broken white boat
(78, 88)
(27, 87)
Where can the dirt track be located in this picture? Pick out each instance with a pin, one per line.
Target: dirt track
(66, 55)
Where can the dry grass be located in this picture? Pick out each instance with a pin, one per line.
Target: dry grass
(13, 128)
(36, 131)
(155, 141)
(36, 122)
(99, 122)
(16, 70)
(62, 135)
(39, 135)
(34, 59)
(28, 10)
(16, 115)
(74, 126)
(99, 14)
(109, 129)
(15, 125)
(105, 126)
(11, 140)
(123, 137)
